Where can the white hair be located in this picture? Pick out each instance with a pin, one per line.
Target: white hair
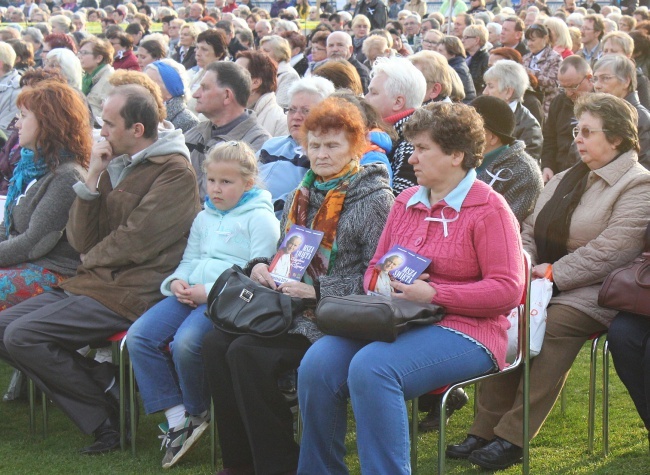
(509, 74)
(345, 16)
(315, 85)
(576, 18)
(494, 28)
(402, 79)
(69, 65)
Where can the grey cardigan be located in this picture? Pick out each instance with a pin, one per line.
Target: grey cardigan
(517, 177)
(366, 207)
(39, 221)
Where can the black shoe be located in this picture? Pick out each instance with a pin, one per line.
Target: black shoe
(456, 400)
(107, 438)
(499, 454)
(466, 447)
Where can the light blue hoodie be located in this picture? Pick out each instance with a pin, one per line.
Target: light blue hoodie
(217, 241)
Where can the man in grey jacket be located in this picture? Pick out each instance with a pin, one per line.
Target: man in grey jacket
(222, 97)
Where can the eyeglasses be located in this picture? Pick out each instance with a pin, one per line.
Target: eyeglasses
(568, 89)
(84, 53)
(583, 28)
(293, 111)
(602, 78)
(585, 132)
(469, 37)
(432, 43)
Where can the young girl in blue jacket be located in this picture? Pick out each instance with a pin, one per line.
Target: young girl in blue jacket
(237, 224)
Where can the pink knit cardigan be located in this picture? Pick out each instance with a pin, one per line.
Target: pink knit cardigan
(477, 270)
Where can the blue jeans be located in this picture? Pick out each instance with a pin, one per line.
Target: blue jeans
(377, 377)
(169, 378)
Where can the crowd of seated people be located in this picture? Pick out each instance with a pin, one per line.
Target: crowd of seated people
(145, 150)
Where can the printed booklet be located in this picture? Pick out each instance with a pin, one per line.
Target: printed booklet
(292, 259)
(397, 264)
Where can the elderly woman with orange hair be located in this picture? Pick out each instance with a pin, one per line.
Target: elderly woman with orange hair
(349, 204)
(55, 136)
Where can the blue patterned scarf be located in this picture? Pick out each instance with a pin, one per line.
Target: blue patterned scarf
(27, 169)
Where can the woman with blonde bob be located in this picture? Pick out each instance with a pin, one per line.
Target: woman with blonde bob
(279, 50)
(559, 36)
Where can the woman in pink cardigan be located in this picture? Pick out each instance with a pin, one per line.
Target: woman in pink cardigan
(476, 273)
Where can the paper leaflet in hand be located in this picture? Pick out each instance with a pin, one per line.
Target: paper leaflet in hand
(298, 248)
(397, 264)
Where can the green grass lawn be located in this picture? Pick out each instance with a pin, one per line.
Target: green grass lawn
(560, 448)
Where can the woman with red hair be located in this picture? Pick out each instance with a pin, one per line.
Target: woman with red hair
(55, 136)
(349, 204)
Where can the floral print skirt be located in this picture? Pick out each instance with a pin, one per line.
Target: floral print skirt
(24, 281)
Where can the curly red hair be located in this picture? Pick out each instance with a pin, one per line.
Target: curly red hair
(64, 131)
(334, 114)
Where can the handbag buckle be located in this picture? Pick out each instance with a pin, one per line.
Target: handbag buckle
(246, 295)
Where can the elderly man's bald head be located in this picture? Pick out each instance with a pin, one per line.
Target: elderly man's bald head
(339, 45)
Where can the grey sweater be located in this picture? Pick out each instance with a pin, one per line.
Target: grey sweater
(517, 177)
(39, 221)
(365, 210)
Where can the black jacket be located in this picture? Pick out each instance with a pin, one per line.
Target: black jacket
(643, 125)
(376, 12)
(557, 152)
(234, 47)
(477, 67)
(459, 65)
(528, 130)
(364, 73)
(189, 60)
(301, 66)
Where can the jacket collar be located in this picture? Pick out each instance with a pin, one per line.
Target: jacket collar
(614, 170)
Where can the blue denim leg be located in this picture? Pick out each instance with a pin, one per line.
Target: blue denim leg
(323, 397)
(382, 375)
(147, 341)
(186, 353)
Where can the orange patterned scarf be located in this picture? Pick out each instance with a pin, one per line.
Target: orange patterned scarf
(327, 217)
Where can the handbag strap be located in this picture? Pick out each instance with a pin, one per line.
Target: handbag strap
(639, 274)
(646, 247)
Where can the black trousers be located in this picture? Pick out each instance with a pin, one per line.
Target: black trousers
(41, 336)
(253, 419)
(628, 341)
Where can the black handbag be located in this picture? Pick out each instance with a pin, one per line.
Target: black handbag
(373, 317)
(241, 306)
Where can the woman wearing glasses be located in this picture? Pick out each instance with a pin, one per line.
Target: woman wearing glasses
(616, 75)
(588, 221)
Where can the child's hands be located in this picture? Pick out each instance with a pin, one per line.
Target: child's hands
(189, 295)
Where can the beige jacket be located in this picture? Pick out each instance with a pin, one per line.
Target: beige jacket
(606, 232)
(101, 88)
